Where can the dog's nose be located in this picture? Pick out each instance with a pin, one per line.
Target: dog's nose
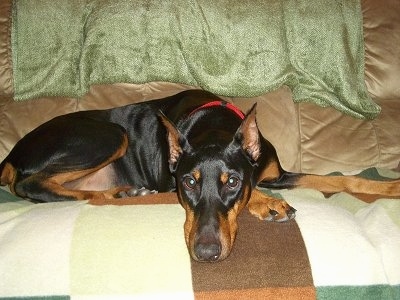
(207, 252)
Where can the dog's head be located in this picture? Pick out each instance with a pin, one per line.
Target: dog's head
(214, 181)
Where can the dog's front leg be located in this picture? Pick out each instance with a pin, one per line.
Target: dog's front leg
(268, 208)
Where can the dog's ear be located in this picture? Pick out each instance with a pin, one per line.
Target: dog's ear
(248, 135)
(176, 141)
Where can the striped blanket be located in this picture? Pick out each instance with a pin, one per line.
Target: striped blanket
(337, 248)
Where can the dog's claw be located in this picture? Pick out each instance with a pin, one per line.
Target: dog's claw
(281, 213)
(273, 212)
(143, 192)
(134, 192)
(290, 213)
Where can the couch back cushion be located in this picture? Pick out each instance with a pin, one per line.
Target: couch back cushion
(382, 52)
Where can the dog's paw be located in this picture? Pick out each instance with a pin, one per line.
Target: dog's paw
(271, 209)
(134, 192)
(280, 211)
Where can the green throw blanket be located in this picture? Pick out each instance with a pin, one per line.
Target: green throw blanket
(232, 48)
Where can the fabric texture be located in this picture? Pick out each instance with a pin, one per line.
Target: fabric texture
(337, 248)
(244, 48)
(382, 54)
(6, 88)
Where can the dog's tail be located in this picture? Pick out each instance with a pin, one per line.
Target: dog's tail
(335, 184)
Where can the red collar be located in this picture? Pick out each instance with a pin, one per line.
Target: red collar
(228, 105)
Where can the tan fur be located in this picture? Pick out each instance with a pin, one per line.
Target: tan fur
(350, 184)
(260, 205)
(56, 182)
(7, 177)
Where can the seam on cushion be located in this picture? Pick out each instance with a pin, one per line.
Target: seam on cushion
(300, 131)
(378, 143)
(367, 56)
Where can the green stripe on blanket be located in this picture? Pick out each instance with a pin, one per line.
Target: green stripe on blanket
(373, 292)
(231, 48)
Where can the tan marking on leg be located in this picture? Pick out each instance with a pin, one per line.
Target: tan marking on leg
(8, 176)
(96, 197)
(70, 176)
(271, 172)
(55, 182)
(350, 184)
(99, 180)
(260, 206)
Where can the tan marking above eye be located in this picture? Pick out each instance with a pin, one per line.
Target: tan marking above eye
(224, 178)
(196, 175)
(232, 181)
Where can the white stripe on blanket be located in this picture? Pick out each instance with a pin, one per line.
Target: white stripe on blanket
(349, 242)
(35, 248)
(74, 249)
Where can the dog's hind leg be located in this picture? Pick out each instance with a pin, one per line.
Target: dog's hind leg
(350, 184)
(335, 184)
(45, 186)
(65, 150)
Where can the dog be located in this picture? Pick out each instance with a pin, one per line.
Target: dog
(193, 143)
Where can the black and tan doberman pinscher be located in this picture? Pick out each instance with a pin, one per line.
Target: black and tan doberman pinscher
(193, 143)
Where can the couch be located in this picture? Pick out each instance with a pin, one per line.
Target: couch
(338, 247)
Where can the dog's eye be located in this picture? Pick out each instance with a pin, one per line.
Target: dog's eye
(233, 182)
(189, 183)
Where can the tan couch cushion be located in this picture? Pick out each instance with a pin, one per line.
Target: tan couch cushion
(312, 139)
(308, 138)
(382, 51)
(332, 141)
